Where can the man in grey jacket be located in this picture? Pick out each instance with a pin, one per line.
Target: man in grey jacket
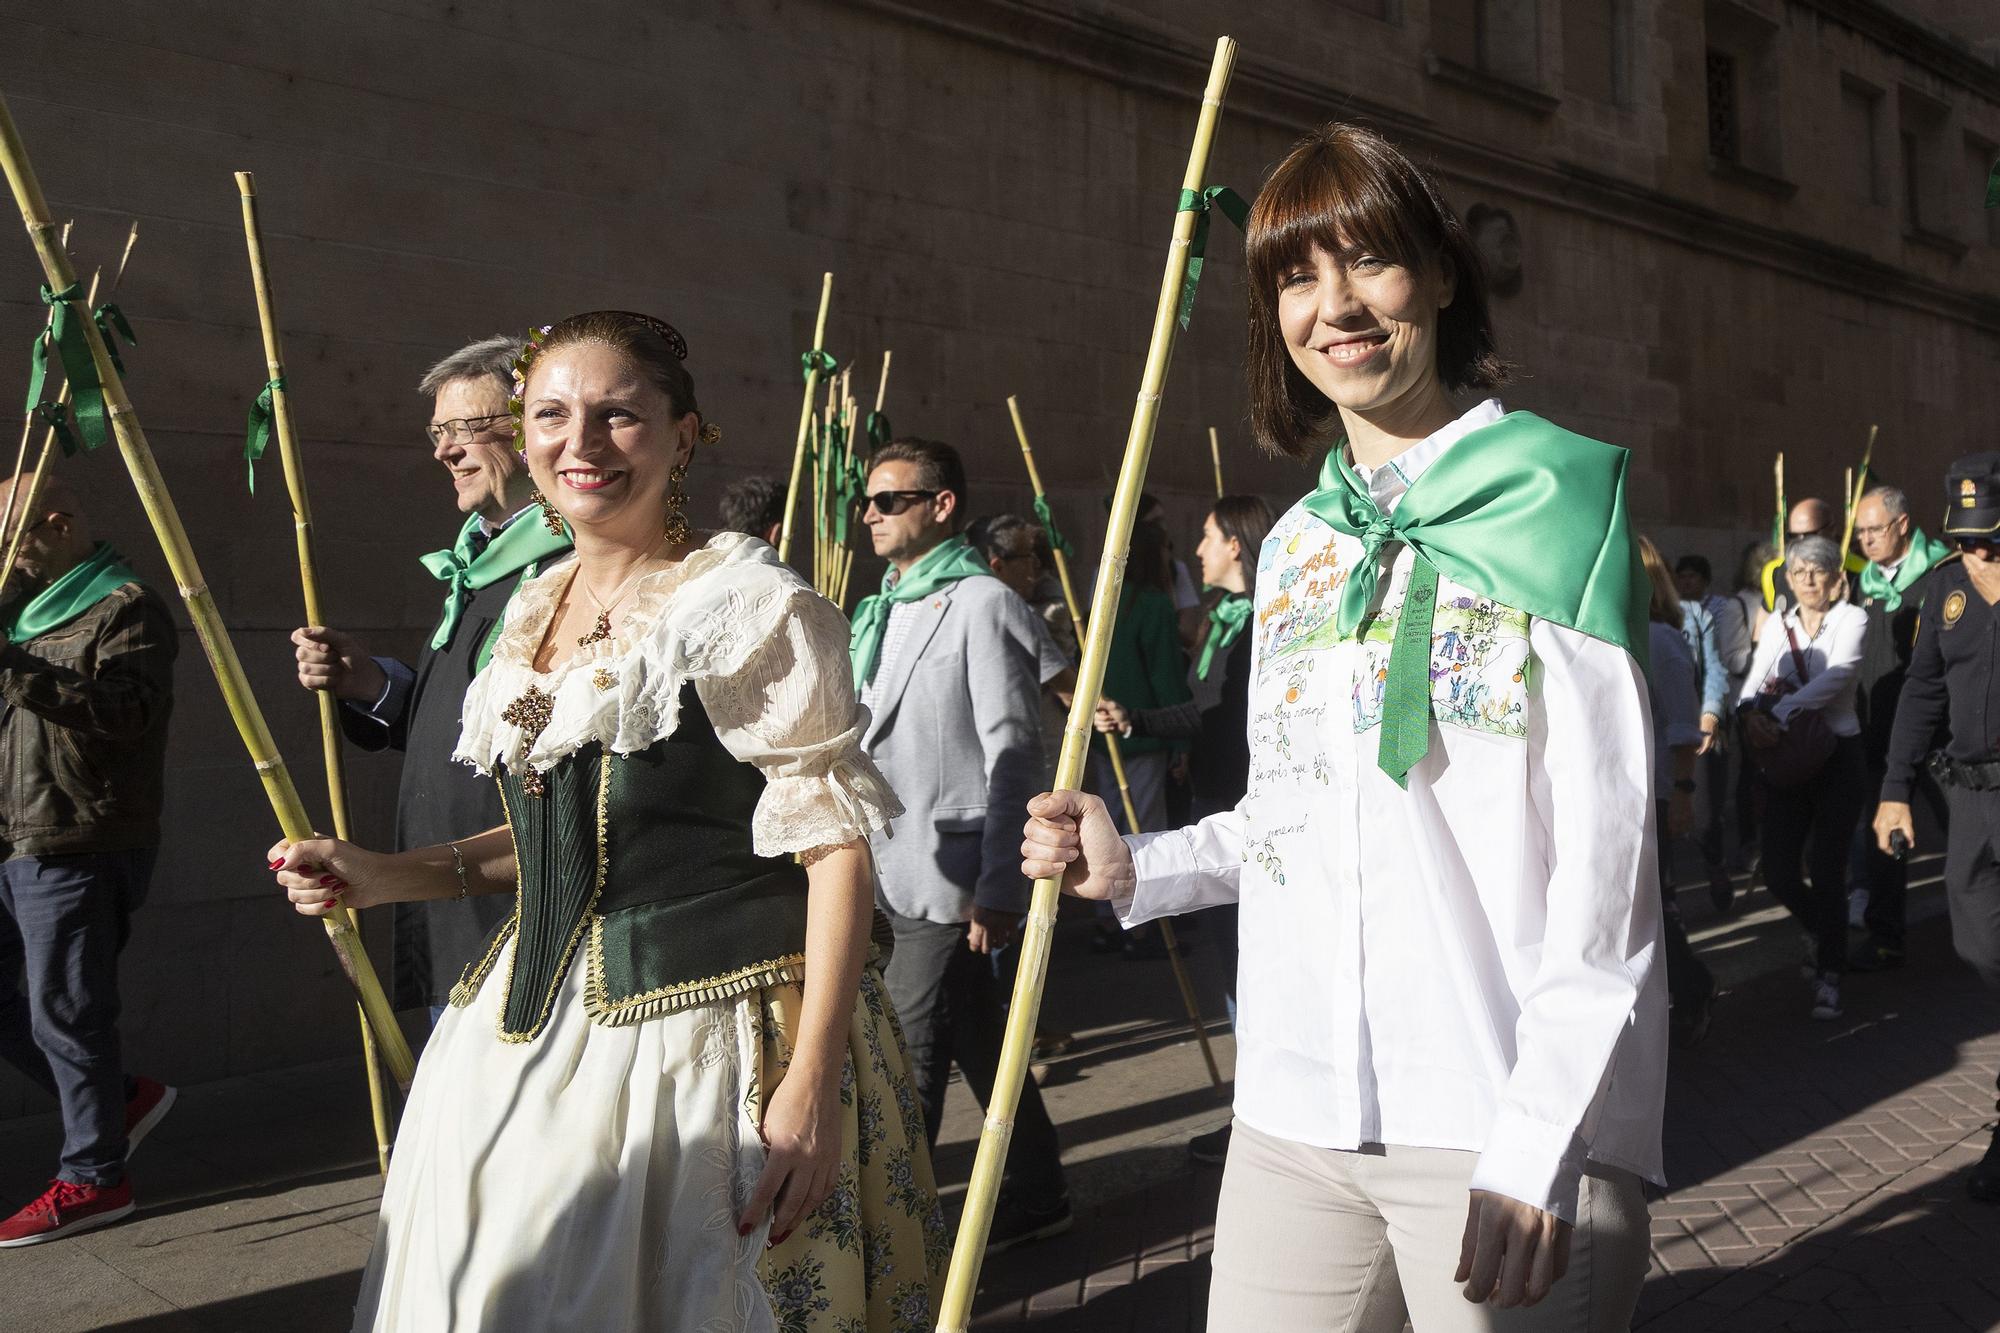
(950, 663)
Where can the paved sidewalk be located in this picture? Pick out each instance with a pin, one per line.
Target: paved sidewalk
(1818, 1169)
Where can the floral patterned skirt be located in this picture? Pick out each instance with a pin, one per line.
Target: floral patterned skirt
(591, 1178)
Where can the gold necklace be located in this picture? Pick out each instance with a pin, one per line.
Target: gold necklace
(601, 630)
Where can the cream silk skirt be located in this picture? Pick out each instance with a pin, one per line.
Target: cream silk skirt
(590, 1179)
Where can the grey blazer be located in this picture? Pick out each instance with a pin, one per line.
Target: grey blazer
(957, 731)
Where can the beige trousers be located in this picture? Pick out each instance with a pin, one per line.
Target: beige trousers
(1313, 1240)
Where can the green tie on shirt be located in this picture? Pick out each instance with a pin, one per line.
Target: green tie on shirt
(1522, 512)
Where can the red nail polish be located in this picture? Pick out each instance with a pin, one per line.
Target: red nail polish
(328, 881)
(278, 863)
(776, 1241)
(745, 1229)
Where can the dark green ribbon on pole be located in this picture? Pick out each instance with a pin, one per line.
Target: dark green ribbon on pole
(1056, 539)
(1993, 187)
(109, 318)
(258, 439)
(56, 417)
(1233, 206)
(817, 359)
(877, 428)
(85, 392)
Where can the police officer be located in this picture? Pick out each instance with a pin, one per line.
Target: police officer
(1954, 681)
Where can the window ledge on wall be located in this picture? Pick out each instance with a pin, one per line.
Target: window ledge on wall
(1490, 85)
(1763, 181)
(1946, 245)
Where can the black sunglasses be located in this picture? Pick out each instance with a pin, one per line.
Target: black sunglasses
(1984, 545)
(891, 503)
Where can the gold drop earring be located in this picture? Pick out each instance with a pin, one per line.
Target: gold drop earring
(677, 524)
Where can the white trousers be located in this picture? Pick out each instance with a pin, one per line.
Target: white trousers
(1314, 1240)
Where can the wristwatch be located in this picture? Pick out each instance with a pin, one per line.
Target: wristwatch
(1684, 785)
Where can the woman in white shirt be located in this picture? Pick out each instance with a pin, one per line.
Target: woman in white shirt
(1805, 662)
(1451, 1025)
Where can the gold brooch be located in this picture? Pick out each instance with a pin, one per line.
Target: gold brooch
(603, 679)
(531, 713)
(598, 632)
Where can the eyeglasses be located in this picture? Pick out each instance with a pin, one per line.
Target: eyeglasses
(463, 429)
(1875, 529)
(891, 503)
(1986, 546)
(44, 521)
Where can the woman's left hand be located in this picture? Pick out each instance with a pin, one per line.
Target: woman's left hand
(802, 1155)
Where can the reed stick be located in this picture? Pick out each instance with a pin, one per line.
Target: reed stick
(1116, 754)
(982, 1192)
(805, 418)
(1215, 453)
(315, 612)
(1857, 483)
(32, 499)
(882, 384)
(193, 587)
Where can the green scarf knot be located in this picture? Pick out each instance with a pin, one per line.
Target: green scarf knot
(66, 333)
(1226, 620)
(1233, 206)
(102, 573)
(944, 564)
(1519, 511)
(1057, 541)
(817, 360)
(1924, 552)
(523, 545)
(259, 437)
(109, 320)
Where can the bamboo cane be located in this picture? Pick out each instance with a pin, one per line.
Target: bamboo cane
(805, 419)
(1857, 482)
(295, 483)
(28, 416)
(32, 499)
(214, 636)
(983, 1190)
(1215, 454)
(1116, 754)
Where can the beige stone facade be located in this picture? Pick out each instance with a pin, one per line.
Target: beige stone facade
(1741, 227)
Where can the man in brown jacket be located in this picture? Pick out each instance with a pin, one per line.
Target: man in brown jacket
(86, 684)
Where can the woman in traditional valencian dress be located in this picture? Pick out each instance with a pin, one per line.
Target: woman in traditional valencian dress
(670, 1095)
(1451, 1046)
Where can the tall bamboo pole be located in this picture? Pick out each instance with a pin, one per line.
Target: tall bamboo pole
(983, 1191)
(28, 417)
(214, 636)
(805, 419)
(1215, 454)
(1857, 482)
(295, 484)
(1117, 757)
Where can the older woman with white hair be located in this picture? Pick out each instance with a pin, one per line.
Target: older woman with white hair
(1798, 709)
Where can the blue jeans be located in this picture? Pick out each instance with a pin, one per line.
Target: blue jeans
(63, 921)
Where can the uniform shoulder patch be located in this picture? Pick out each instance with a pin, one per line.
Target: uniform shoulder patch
(1954, 607)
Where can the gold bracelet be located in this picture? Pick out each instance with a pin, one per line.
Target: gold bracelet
(458, 864)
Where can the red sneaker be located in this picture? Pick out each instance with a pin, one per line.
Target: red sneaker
(65, 1209)
(151, 1099)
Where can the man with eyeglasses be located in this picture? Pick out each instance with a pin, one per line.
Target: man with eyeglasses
(389, 704)
(86, 687)
(1890, 592)
(950, 662)
(1954, 684)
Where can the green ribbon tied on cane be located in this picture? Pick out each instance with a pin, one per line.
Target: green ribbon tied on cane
(1234, 207)
(258, 437)
(66, 332)
(109, 320)
(1993, 186)
(56, 417)
(877, 428)
(818, 359)
(1056, 540)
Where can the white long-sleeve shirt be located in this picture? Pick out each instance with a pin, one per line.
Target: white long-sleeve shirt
(1469, 963)
(1832, 659)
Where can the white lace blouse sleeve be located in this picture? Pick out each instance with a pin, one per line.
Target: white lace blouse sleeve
(790, 709)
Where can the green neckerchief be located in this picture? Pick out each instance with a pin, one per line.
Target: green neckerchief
(102, 574)
(523, 543)
(1923, 553)
(1225, 625)
(1522, 512)
(946, 563)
